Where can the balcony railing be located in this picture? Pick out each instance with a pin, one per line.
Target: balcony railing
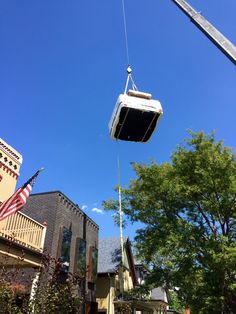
(23, 230)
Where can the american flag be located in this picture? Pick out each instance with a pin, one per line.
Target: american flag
(18, 199)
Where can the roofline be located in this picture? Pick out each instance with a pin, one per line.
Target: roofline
(131, 261)
(143, 266)
(67, 198)
(141, 301)
(106, 273)
(157, 300)
(9, 150)
(125, 238)
(49, 192)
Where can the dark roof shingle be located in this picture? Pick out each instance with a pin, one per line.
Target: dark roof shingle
(109, 255)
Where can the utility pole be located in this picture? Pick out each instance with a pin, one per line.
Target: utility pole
(225, 45)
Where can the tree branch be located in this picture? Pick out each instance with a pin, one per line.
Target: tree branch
(212, 228)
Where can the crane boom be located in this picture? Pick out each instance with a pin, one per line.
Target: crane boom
(225, 45)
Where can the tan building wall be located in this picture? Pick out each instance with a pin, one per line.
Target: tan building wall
(106, 294)
(108, 289)
(10, 163)
(128, 282)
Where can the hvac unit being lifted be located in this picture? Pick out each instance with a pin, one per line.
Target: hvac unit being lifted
(135, 115)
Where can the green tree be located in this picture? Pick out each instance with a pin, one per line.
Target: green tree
(174, 301)
(188, 210)
(56, 292)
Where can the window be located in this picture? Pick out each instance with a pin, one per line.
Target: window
(91, 286)
(80, 256)
(65, 248)
(93, 262)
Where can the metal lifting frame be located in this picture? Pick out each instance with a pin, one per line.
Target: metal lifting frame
(209, 30)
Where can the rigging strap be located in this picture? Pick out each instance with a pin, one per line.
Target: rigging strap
(129, 70)
(129, 78)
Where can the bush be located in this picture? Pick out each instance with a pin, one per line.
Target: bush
(55, 292)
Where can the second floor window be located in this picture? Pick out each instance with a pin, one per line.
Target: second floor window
(65, 248)
(93, 264)
(80, 257)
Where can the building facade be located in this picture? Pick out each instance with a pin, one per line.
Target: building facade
(21, 238)
(116, 282)
(71, 237)
(114, 279)
(10, 163)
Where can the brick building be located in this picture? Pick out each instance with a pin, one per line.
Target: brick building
(71, 235)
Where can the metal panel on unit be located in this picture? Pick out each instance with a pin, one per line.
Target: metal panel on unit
(135, 117)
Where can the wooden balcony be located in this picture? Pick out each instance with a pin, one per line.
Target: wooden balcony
(21, 241)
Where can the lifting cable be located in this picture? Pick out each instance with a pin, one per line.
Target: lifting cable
(125, 30)
(129, 70)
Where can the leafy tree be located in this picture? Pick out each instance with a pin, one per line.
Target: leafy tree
(174, 302)
(10, 299)
(188, 209)
(125, 309)
(56, 292)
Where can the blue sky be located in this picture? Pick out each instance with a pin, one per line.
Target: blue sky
(63, 65)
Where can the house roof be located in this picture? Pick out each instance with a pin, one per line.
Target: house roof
(159, 294)
(109, 255)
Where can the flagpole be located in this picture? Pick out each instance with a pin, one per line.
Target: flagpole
(31, 181)
(121, 227)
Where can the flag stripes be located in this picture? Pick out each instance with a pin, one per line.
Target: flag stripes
(18, 199)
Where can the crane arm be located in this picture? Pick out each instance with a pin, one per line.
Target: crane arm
(225, 45)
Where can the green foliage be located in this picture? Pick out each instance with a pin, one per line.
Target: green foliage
(174, 302)
(10, 299)
(137, 293)
(188, 207)
(125, 308)
(56, 292)
(56, 298)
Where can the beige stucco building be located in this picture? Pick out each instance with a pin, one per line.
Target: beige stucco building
(21, 238)
(115, 282)
(10, 163)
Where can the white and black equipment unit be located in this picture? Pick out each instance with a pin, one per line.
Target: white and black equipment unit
(135, 115)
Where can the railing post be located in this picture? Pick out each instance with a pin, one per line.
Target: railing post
(24, 230)
(43, 235)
